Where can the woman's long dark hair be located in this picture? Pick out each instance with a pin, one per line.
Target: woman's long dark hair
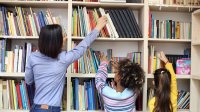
(162, 80)
(50, 40)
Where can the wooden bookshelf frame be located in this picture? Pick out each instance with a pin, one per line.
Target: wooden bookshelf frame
(143, 8)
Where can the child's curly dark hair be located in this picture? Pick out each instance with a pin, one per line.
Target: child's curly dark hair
(132, 75)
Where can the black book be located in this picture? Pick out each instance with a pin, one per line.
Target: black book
(131, 25)
(121, 23)
(134, 21)
(118, 24)
(126, 24)
(117, 27)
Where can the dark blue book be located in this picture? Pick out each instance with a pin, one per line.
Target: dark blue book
(31, 93)
(76, 94)
(42, 18)
(5, 20)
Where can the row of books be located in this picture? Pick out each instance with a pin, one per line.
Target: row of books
(175, 59)
(84, 95)
(90, 61)
(168, 29)
(14, 61)
(14, 95)
(175, 2)
(121, 22)
(21, 22)
(183, 100)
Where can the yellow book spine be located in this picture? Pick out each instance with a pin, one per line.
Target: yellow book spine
(154, 63)
(14, 94)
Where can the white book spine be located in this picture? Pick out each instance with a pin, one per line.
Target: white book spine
(155, 29)
(28, 51)
(86, 19)
(5, 95)
(112, 26)
(20, 61)
(107, 25)
(16, 56)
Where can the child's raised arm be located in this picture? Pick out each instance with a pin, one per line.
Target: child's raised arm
(174, 91)
(81, 48)
(102, 74)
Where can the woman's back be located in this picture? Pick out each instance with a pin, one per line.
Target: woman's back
(49, 77)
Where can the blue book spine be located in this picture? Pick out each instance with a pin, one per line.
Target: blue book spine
(22, 96)
(42, 19)
(89, 95)
(94, 61)
(152, 29)
(39, 20)
(5, 20)
(76, 94)
(93, 95)
(173, 29)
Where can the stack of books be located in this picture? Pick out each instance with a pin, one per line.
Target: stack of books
(121, 22)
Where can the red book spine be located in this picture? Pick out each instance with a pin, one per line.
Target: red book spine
(29, 25)
(19, 96)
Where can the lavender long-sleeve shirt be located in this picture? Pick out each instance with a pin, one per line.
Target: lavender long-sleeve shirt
(49, 74)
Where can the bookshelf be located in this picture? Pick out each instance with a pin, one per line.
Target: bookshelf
(121, 46)
(195, 81)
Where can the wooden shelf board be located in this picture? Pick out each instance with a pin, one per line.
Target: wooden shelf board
(197, 12)
(197, 77)
(19, 37)
(169, 40)
(172, 8)
(196, 43)
(5, 74)
(110, 5)
(150, 76)
(78, 75)
(36, 4)
(111, 39)
(92, 75)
